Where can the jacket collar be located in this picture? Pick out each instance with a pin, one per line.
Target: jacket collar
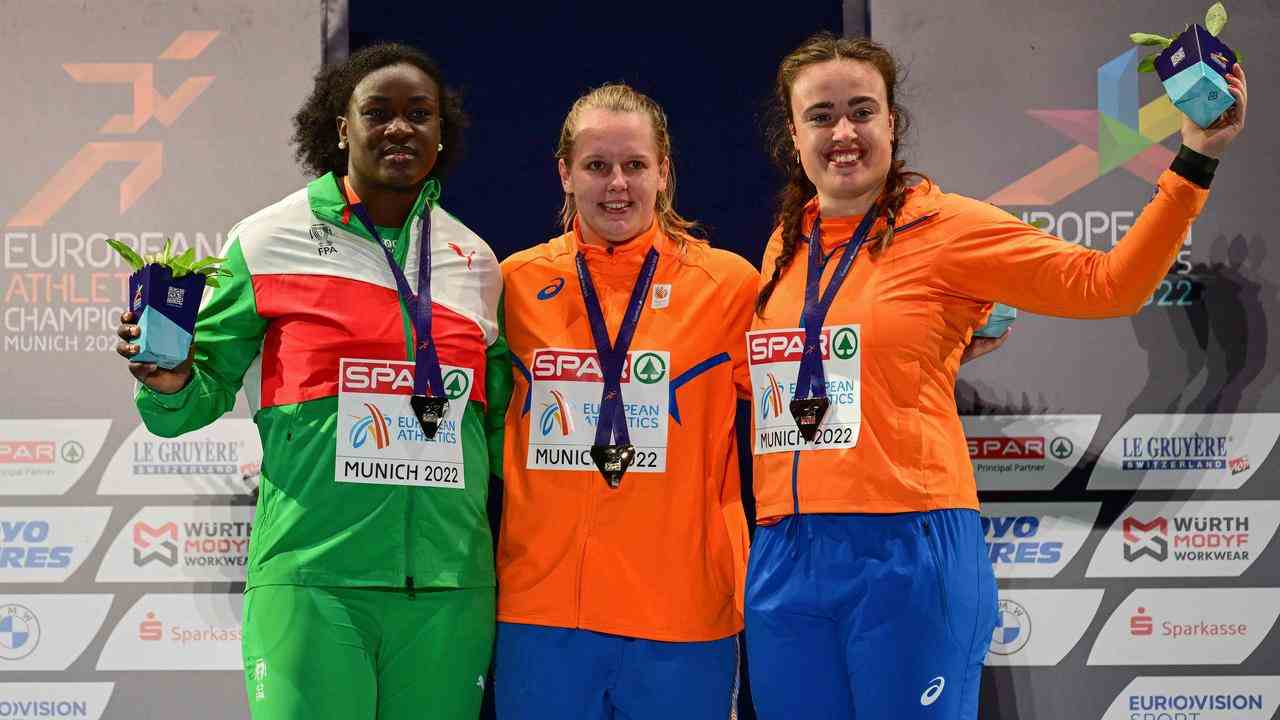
(329, 203)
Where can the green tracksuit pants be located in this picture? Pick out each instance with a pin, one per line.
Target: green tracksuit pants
(321, 653)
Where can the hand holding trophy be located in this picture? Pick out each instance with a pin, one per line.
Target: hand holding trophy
(157, 330)
(1202, 78)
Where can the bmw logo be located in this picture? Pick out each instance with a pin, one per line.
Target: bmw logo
(19, 632)
(1013, 628)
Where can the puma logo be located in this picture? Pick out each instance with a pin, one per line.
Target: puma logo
(461, 254)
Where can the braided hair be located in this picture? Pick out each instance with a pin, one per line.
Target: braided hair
(799, 189)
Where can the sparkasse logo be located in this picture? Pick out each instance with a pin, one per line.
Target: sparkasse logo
(1186, 626)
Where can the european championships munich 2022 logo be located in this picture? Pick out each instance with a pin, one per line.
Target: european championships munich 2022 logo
(147, 156)
(1121, 133)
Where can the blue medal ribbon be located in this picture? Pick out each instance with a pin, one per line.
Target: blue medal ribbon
(426, 363)
(613, 356)
(812, 378)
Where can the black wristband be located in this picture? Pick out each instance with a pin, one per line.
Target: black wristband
(1193, 166)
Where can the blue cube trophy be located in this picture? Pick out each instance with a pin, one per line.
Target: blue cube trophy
(165, 309)
(164, 297)
(998, 322)
(1193, 69)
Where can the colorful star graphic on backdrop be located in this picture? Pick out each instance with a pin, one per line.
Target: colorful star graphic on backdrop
(1118, 134)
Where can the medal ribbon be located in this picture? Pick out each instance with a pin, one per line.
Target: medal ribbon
(812, 378)
(426, 363)
(613, 356)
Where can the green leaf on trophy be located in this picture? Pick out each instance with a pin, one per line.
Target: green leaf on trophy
(1039, 223)
(181, 265)
(1147, 64)
(126, 252)
(203, 265)
(1150, 39)
(1215, 19)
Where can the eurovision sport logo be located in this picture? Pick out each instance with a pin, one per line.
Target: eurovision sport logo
(1040, 627)
(47, 632)
(1186, 452)
(1191, 539)
(1035, 539)
(1026, 452)
(177, 632)
(223, 458)
(1187, 626)
(47, 544)
(82, 701)
(1220, 697)
(181, 544)
(47, 457)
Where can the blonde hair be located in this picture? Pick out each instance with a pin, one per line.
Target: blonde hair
(622, 98)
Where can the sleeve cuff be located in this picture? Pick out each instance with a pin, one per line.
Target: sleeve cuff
(168, 401)
(1193, 166)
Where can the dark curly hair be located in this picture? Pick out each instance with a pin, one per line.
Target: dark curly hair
(316, 132)
(820, 48)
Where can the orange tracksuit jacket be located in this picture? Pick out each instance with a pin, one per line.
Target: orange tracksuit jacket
(918, 303)
(663, 556)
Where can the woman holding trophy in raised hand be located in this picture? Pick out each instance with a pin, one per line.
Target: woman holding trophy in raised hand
(869, 592)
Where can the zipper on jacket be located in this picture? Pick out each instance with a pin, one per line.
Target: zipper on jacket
(411, 352)
(586, 540)
(795, 482)
(795, 463)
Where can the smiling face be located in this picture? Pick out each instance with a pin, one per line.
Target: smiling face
(842, 125)
(391, 129)
(614, 174)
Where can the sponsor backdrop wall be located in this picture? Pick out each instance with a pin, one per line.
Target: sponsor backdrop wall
(1130, 491)
(1125, 464)
(121, 554)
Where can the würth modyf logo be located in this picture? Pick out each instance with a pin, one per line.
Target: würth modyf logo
(148, 103)
(1146, 538)
(155, 544)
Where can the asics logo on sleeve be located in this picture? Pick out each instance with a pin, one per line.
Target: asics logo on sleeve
(551, 290)
(932, 692)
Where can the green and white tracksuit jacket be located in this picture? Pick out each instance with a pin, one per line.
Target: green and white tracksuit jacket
(311, 287)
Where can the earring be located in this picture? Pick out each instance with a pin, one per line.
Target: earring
(797, 157)
(439, 147)
(342, 144)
